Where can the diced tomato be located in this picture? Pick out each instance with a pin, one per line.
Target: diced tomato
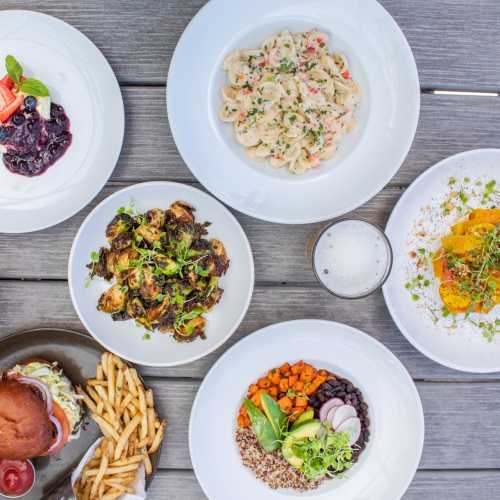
(10, 109)
(346, 74)
(311, 49)
(6, 96)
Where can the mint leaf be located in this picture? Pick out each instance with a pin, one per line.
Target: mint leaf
(34, 87)
(14, 69)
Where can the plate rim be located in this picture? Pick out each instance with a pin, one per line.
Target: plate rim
(304, 219)
(119, 125)
(245, 240)
(333, 324)
(388, 301)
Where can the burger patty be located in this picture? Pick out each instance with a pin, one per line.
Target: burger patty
(25, 428)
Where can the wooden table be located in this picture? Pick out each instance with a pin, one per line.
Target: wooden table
(457, 47)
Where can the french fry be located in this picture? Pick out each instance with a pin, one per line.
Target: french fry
(136, 378)
(107, 405)
(114, 493)
(125, 402)
(144, 412)
(111, 380)
(119, 389)
(130, 381)
(130, 460)
(100, 475)
(91, 392)
(144, 442)
(149, 398)
(158, 437)
(148, 467)
(93, 382)
(151, 424)
(90, 404)
(106, 428)
(99, 375)
(126, 416)
(104, 363)
(100, 407)
(122, 441)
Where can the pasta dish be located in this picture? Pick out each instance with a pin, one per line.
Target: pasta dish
(290, 101)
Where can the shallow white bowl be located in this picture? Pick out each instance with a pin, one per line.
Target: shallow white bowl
(385, 468)
(464, 349)
(380, 60)
(125, 338)
(81, 80)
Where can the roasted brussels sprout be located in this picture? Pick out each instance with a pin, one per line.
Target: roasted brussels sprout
(149, 288)
(120, 224)
(156, 217)
(148, 233)
(135, 277)
(135, 308)
(181, 211)
(122, 241)
(113, 300)
(166, 273)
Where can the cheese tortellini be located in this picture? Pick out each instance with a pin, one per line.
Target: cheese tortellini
(290, 101)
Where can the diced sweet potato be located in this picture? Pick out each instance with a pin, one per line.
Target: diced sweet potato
(264, 383)
(283, 385)
(285, 404)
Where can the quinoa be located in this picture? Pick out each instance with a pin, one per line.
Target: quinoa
(271, 468)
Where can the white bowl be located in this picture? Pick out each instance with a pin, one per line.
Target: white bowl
(387, 465)
(82, 81)
(380, 60)
(125, 338)
(462, 348)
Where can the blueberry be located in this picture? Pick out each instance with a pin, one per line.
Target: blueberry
(30, 103)
(3, 133)
(18, 119)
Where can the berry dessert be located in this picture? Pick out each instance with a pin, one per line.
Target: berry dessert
(34, 133)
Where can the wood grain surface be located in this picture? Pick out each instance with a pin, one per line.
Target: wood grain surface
(456, 46)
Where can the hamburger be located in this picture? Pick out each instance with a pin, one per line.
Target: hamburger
(40, 410)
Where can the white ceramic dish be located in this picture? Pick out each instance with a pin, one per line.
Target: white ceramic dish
(381, 62)
(462, 348)
(385, 468)
(125, 338)
(81, 80)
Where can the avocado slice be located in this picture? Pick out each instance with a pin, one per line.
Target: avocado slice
(304, 417)
(306, 430)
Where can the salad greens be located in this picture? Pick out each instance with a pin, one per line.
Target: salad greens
(324, 456)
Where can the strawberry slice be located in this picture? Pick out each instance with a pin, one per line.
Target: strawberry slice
(7, 81)
(6, 96)
(8, 110)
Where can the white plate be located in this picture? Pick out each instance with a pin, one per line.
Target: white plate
(124, 337)
(385, 468)
(81, 80)
(462, 348)
(381, 61)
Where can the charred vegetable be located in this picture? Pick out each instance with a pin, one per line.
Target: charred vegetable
(165, 271)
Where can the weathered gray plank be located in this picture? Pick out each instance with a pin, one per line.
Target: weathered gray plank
(454, 41)
(428, 485)
(25, 305)
(448, 125)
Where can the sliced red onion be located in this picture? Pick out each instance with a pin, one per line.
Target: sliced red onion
(59, 436)
(42, 388)
(327, 406)
(353, 427)
(342, 413)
